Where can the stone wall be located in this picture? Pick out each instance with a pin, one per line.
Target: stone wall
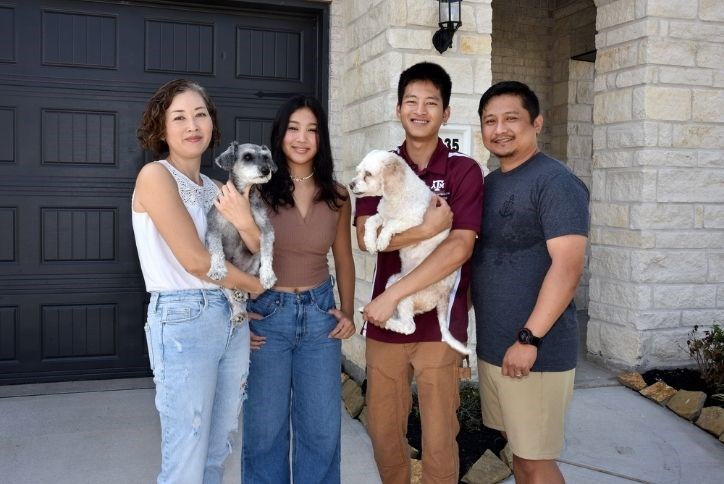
(372, 41)
(657, 228)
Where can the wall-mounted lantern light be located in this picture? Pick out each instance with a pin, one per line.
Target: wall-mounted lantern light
(449, 23)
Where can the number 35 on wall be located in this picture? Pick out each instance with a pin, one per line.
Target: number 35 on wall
(457, 137)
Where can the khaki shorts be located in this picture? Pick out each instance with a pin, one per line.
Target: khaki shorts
(530, 410)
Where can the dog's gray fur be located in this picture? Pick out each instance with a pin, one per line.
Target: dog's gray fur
(247, 164)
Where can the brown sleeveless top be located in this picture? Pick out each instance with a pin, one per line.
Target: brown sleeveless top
(301, 244)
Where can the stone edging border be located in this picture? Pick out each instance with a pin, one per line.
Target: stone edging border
(684, 403)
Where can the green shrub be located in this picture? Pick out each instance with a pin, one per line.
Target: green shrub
(707, 349)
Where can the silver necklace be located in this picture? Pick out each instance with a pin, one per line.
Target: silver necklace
(301, 178)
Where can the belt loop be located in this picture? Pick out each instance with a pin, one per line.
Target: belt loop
(153, 303)
(331, 280)
(206, 298)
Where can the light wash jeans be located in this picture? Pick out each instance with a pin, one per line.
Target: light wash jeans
(200, 361)
(294, 376)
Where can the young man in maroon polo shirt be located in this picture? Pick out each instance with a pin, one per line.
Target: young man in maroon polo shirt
(423, 97)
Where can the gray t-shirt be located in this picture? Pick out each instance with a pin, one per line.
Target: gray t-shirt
(522, 209)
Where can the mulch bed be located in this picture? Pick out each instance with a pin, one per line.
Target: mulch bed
(683, 379)
(473, 439)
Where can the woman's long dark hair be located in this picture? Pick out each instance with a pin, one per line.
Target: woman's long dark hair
(277, 192)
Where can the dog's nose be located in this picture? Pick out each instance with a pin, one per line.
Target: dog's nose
(265, 171)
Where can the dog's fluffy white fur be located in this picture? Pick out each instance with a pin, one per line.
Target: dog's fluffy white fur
(405, 199)
(247, 164)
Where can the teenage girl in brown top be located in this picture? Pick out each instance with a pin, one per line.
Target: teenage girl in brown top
(295, 368)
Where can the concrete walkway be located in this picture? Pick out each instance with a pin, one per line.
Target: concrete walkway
(107, 432)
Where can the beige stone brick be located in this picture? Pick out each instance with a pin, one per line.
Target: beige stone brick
(661, 216)
(460, 66)
(613, 159)
(475, 44)
(631, 185)
(685, 75)
(673, 266)
(612, 106)
(698, 136)
(709, 55)
(705, 32)
(610, 214)
(615, 13)
(666, 103)
(677, 185)
(670, 8)
(421, 13)
(714, 216)
(665, 157)
(632, 135)
(622, 237)
(614, 262)
(702, 317)
(631, 31)
(619, 293)
(708, 105)
(710, 158)
(654, 319)
(617, 57)
(634, 76)
(406, 38)
(621, 344)
(608, 312)
(658, 50)
(711, 10)
(685, 296)
(716, 272)
(666, 347)
(690, 239)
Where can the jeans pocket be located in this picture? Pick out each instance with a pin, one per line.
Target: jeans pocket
(325, 301)
(265, 305)
(149, 345)
(181, 312)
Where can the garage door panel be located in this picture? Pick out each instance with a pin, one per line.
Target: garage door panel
(95, 333)
(8, 235)
(7, 127)
(7, 34)
(79, 39)
(179, 47)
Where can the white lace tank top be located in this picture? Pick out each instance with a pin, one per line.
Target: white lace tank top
(161, 270)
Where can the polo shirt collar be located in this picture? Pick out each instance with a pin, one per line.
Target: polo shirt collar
(438, 160)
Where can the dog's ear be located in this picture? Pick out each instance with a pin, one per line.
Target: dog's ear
(393, 166)
(226, 159)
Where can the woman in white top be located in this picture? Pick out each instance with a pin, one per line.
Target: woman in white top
(199, 358)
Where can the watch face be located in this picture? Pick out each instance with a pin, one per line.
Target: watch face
(524, 336)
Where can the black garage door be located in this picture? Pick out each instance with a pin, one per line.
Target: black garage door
(74, 77)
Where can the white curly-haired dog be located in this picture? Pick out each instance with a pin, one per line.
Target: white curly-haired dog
(405, 199)
(247, 164)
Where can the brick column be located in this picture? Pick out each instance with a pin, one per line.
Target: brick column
(657, 209)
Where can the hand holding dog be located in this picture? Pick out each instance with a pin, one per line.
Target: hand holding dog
(380, 309)
(345, 327)
(235, 207)
(438, 216)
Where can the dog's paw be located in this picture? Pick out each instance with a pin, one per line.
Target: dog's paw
(217, 271)
(383, 241)
(371, 242)
(267, 278)
(400, 326)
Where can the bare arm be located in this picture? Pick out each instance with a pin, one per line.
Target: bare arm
(157, 194)
(344, 270)
(438, 217)
(235, 207)
(559, 286)
(447, 257)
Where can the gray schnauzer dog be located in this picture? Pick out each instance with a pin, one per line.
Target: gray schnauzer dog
(247, 164)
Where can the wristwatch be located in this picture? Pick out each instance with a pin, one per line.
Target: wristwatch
(526, 337)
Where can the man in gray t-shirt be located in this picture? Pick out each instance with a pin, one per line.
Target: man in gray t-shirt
(526, 268)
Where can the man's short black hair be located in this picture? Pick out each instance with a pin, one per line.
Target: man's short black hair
(513, 88)
(426, 71)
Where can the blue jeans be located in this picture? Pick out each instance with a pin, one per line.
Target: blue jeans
(294, 377)
(200, 361)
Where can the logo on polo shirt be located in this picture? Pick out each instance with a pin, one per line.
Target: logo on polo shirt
(438, 187)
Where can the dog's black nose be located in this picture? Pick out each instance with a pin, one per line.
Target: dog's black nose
(265, 171)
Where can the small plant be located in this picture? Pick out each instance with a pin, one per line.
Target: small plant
(707, 349)
(469, 414)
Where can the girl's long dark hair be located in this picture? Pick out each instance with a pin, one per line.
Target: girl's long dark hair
(277, 192)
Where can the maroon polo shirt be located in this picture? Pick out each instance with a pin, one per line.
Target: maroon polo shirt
(459, 180)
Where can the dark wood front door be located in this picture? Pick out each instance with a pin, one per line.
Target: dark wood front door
(74, 78)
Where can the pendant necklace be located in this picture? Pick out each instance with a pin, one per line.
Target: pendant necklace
(301, 178)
